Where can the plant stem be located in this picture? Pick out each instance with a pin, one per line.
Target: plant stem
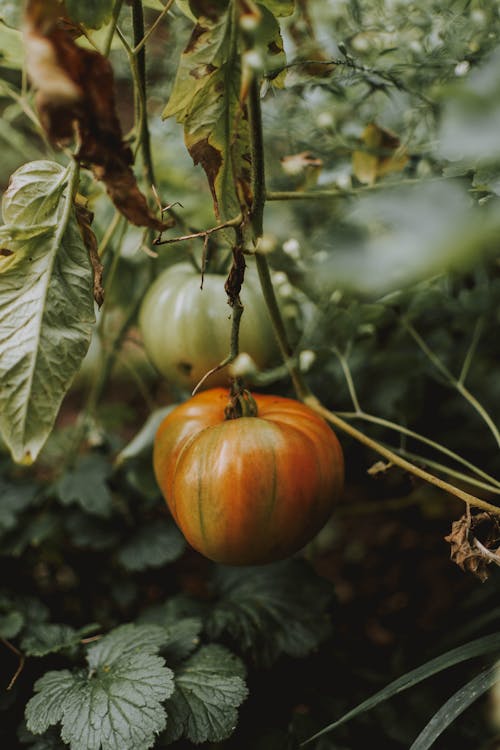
(236, 222)
(139, 55)
(458, 384)
(257, 155)
(478, 329)
(336, 421)
(441, 468)
(358, 413)
(146, 36)
(372, 419)
(111, 32)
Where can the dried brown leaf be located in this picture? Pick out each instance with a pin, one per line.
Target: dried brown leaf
(84, 218)
(474, 542)
(75, 96)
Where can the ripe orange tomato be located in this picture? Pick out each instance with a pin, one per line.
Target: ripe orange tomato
(250, 490)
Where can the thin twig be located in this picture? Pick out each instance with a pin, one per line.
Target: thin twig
(348, 378)
(112, 28)
(452, 380)
(478, 329)
(203, 233)
(388, 454)
(22, 661)
(153, 27)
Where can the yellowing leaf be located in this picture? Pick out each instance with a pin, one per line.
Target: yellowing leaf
(382, 154)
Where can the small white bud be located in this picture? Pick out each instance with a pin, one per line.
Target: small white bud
(292, 248)
(462, 68)
(306, 359)
(243, 366)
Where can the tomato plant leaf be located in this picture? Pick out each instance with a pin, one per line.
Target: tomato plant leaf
(80, 90)
(92, 13)
(266, 612)
(206, 100)
(209, 687)
(116, 704)
(46, 306)
(86, 484)
(10, 12)
(154, 545)
(143, 441)
(279, 7)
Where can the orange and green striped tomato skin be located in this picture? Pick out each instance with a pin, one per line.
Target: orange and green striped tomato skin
(250, 490)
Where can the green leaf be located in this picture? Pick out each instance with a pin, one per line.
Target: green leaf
(91, 532)
(183, 6)
(182, 632)
(273, 610)
(49, 741)
(404, 235)
(86, 484)
(92, 13)
(11, 12)
(206, 100)
(269, 43)
(471, 115)
(12, 56)
(46, 304)
(456, 705)
(116, 704)
(279, 7)
(32, 532)
(143, 441)
(485, 645)
(14, 499)
(41, 639)
(154, 545)
(209, 687)
(11, 624)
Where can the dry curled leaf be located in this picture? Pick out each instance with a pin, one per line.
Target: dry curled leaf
(84, 218)
(379, 467)
(304, 166)
(75, 96)
(381, 155)
(475, 543)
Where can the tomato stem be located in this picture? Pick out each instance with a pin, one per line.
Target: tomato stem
(241, 402)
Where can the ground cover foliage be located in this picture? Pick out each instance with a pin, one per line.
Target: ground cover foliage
(365, 136)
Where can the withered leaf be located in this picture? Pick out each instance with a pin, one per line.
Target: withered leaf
(383, 154)
(304, 166)
(475, 541)
(75, 96)
(84, 218)
(206, 99)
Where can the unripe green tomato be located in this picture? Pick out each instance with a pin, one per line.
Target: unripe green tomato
(186, 330)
